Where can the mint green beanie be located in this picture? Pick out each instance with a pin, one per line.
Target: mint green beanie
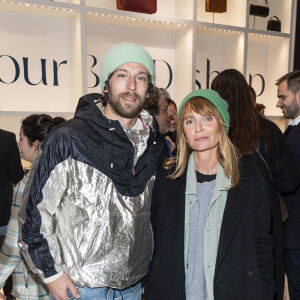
(214, 98)
(125, 53)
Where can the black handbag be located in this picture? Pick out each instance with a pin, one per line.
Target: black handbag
(259, 10)
(274, 24)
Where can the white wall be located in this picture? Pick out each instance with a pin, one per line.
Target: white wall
(35, 38)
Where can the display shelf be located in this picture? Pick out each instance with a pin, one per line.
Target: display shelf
(128, 19)
(268, 60)
(189, 47)
(162, 44)
(282, 9)
(266, 35)
(218, 30)
(165, 8)
(227, 52)
(234, 16)
(40, 8)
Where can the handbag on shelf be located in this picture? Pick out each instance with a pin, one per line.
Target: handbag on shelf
(216, 6)
(145, 7)
(274, 24)
(259, 10)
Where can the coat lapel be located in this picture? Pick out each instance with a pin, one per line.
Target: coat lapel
(290, 135)
(232, 216)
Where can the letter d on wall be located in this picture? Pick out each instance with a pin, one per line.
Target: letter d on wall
(169, 69)
(262, 82)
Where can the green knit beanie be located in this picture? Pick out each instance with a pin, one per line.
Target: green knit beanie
(214, 98)
(125, 53)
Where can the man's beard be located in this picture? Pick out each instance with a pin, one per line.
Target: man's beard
(292, 111)
(125, 110)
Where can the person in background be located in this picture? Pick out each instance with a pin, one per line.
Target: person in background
(171, 135)
(288, 93)
(261, 144)
(86, 226)
(173, 120)
(11, 172)
(158, 106)
(26, 284)
(211, 215)
(260, 108)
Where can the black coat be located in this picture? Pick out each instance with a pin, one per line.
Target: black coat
(244, 266)
(277, 154)
(292, 200)
(11, 171)
(282, 177)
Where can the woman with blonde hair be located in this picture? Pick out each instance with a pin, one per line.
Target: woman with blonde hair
(210, 214)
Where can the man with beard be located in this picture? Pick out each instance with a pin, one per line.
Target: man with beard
(158, 106)
(288, 93)
(86, 230)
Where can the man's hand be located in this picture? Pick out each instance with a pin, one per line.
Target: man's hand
(59, 288)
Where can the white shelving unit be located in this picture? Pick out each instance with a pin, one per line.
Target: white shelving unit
(189, 47)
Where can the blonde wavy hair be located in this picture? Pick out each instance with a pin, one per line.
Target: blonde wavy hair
(227, 153)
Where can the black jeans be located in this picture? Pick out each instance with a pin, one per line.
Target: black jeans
(7, 289)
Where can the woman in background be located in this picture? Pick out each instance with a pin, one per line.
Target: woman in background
(211, 218)
(26, 284)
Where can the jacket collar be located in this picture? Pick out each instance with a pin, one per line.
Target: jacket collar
(222, 181)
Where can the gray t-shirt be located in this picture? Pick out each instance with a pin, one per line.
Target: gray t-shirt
(195, 279)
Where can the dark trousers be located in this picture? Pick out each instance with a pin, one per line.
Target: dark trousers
(292, 270)
(7, 289)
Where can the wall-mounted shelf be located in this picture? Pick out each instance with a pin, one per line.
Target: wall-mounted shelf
(189, 47)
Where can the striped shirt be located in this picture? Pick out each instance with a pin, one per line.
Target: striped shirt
(26, 284)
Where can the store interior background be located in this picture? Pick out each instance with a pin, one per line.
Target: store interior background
(77, 77)
(30, 96)
(38, 37)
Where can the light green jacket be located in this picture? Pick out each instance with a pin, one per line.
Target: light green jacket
(213, 220)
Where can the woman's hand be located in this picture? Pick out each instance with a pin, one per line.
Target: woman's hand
(2, 296)
(172, 144)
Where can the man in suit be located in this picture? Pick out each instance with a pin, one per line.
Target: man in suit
(288, 93)
(11, 171)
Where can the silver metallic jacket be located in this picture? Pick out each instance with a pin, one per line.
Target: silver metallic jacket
(88, 200)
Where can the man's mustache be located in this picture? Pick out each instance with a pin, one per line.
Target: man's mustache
(129, 94)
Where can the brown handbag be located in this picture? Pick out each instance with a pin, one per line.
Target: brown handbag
(145, 7)
(216, 6)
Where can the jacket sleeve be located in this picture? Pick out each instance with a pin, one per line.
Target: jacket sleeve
(294, 147)
(42, 196)
(278, 156)
(264, 237)
(15, 169)
(10, 255)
